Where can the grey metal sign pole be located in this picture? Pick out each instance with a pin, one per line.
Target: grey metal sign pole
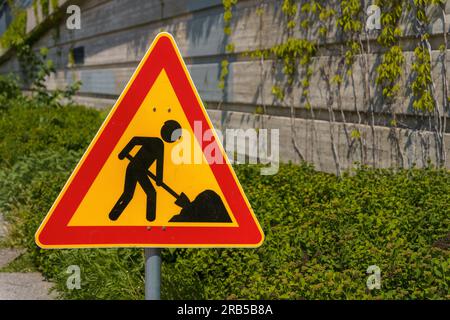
(152, 273)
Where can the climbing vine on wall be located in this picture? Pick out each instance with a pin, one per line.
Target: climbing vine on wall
(292, 53)
(423, 100)
(289, 9)
(422, 84)
(229, 48)
(391, 67)
(305, 31)
(350, 25)
(35, 65)
(298, 52)
(228, 14)
(15, 32)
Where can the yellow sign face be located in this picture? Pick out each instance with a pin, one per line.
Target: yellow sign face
(155, 174)
(191, 178)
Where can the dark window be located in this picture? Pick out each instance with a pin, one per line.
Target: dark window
(5, 17)
(78, 55)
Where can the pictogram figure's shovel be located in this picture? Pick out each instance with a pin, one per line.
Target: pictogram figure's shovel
(181, 199)
(207, 206)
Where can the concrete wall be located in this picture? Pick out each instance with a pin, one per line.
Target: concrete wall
(116, 33)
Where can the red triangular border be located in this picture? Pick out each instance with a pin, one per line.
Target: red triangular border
(55, 232)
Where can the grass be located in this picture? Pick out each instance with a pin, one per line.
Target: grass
(23, 263)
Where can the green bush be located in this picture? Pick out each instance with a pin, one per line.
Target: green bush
(9, 89)
(322, 232)
(27, 128)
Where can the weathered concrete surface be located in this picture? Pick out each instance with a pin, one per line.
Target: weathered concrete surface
(7, 255)
(20, 286)
(381, 149)
(24, 286)
(409, 148)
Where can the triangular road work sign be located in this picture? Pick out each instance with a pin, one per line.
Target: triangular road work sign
(156, 174)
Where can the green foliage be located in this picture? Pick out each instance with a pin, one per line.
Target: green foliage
(423, 100)
(295, 52)
(391, 12)
(15, 33)
(71, 58)
(54, 4)
(390, 70)
(35, 9)
(9, 89)
(353, 48)
(44, 7)
(337, 79)
(421, 9)
(35, 67)
(290, 9)
(422, 82)
(31, 127)
(349, 10)
(223, 73)
(229, 48)
(43, 69)
(278, 92)
(292, 53)
(356, 134)
(350, 23)
(391, 67)
(322, 232)
(228, 14)
(326, 13)
(23, 263)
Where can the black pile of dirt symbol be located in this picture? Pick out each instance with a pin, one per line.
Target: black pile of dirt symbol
(207, 207)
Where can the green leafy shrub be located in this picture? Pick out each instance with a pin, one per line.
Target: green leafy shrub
(9, 88)
(32, 127)
(9, 91)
